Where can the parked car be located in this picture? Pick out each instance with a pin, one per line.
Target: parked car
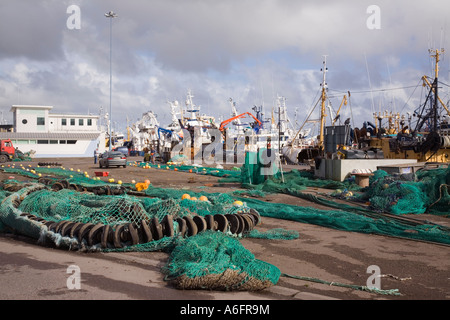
(124, 150)
(112, 158)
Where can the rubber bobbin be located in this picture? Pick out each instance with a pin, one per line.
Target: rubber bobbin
(66, 228)
(233, 222)
(191, 226)
(145, 232)
(106, 236)
(182, 226)
(74, 229)
(167, 226)
(156, 229)
(210, 224)
(94, 234)
(241, 227)
(221, 222)
(201, 223)
(117, 236)
(133, 233)
(83, 230)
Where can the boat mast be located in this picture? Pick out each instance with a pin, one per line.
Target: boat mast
(323, 99)
(436, 55)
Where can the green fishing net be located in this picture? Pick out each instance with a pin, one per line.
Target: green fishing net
(427, 193)
(215, 261)
(210, 257)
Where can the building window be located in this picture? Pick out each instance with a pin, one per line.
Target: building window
(89, 122)
(42, 142)
(72, 122)
(24, 121)
(62, 141)
(64, 122)
(71, 141)
(53, 141)
(80, 122)
(40, 121)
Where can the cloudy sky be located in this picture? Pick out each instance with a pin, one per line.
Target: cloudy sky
(249, 50)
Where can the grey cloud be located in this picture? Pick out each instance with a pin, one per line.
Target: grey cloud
(219, 49)
(31, 29)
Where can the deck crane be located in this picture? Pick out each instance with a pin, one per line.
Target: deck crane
(344, 102)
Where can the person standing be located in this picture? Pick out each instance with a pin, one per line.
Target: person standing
(153, 155)
(95, 156)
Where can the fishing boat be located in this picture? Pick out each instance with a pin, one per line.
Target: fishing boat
(144, 132)
(189, 133)
(256, 132)
(423, 135)
(304, 147)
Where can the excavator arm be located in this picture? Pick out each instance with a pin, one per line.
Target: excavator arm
(226, 122)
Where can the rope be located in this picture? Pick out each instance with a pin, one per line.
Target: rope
(440, 194)
(394, 277)
(391, 292)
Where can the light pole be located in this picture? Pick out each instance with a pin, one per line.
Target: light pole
(110, 15)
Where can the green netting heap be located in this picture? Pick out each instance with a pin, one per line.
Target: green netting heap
(353, 219)
(428, 193)
(215, 261)
(85, 207)
(256, 176)
(297, 180)
(254, 172)
(208, 260)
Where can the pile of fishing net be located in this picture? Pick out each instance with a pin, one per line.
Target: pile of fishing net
(427, 192)
(215, 261)
(270, 178)
(196, 233)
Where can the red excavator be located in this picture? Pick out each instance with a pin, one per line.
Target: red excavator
(224, 123)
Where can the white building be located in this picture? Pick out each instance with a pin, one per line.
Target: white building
(54, 135)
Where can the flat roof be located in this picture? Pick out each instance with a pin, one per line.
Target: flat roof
(25, 106)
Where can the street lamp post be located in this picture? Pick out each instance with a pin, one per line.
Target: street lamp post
(110, 15)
